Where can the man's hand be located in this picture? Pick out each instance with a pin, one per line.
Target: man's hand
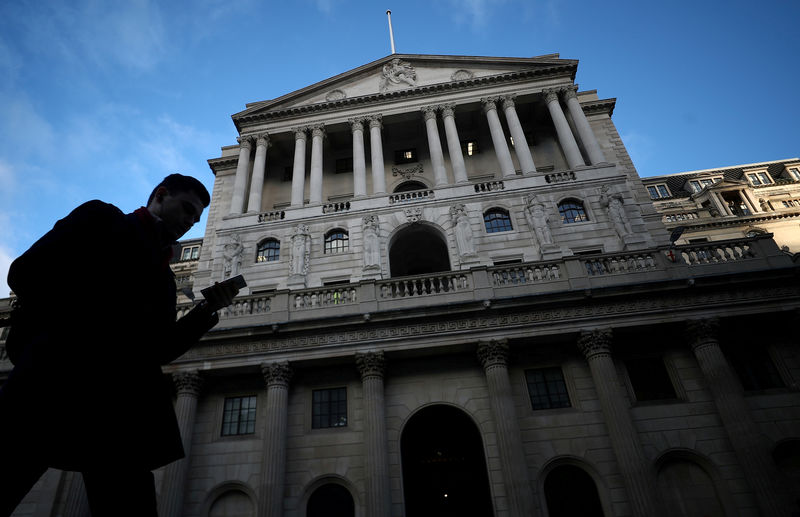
(221, 294)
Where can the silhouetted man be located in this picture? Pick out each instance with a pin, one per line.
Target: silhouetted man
(96, 320)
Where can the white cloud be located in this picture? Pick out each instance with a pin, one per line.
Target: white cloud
(8, 180)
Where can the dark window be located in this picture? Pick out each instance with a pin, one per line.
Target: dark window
(288, 171)
(239, 416)
(572, 211)
(329, 408)
(344, 165)
(190, 253)
(268, 251)
(754, 367)
(649, 378)
(336, 241)
(405, 156)
(497, 220)
(547, 389)
(410, 186)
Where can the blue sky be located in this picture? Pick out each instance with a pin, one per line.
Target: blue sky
(103, 99)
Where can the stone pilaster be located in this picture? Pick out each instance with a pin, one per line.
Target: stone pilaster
(636, 471)
(751, 446)
(582, 124)
(564, 132)
(520, 142)
(317, 134)
(435, 146)
(498, 137)
(359, 160)
(77, 503)
(372, 367)
(299, 167)
(240, 180)
(376, 149)
(454, 144)
(259, 170)
(493, 356)
(188, 385)
(273, 462)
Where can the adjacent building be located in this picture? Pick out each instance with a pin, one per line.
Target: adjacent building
(463, 300)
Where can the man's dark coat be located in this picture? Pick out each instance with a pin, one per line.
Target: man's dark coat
(97, 319)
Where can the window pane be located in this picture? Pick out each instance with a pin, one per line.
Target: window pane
(662, 189)
(336, 241)
(547, 389)
(239, 416)
(329, 408)
(572, 212)
(649, 379)
(653, 192)
(268, 251)
(497, 220)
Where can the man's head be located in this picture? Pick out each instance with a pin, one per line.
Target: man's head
(178, 201)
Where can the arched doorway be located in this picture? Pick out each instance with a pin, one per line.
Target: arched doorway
(416, 250)
(444, 467)
(687, 490)
(330, 500)
(571, 491)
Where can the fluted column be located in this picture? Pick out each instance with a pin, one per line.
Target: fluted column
(636, 470)
(299, 167)
(359, 161)
(240, 180)
(435, 146)
(584, 129)
(454, 144)
(498, 138)
(372, 366)
(565, 136)
(520, 142)
(376, 150)
(188, 386)
(751, 446)
(273, 462)
(493, 355)
(259, 169)
(317, 134)
(77, 503)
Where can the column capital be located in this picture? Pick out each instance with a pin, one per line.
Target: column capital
(262, 140)
(570, 92)
(300, 132)
(493, 352)
(371, 364)
(187, 382)
(595, 342)
(550, 95)
(702, 332)
(245, 141)
(356, 124)
(508, 100)
(375, 121)
(429, 112)
(317, 130)
(489, 103)
(279, 373)
(447, 110)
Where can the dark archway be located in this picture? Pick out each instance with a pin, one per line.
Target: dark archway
(330, 500)
(571, 491)
(409, 186)
(416, 250)
(444, 467)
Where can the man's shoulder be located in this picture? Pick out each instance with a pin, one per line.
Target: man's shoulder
(97, 207)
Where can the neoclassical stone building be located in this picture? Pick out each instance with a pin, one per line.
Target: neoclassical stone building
(462, 301)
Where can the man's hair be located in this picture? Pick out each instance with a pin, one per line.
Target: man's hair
(176, 183)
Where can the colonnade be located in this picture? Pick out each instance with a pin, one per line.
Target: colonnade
(431, 115)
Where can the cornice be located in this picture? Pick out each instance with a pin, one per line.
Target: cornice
(738, 221)
(599, 106)
(224, 163)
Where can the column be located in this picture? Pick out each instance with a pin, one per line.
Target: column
(493, 355)
(259, 169)
(582, 124)
(77, 503)
(454, 144)
(636, 471)
(565, 136)
(299, 167)
(376, 148)
(372, 367)
(520, 143)
(435, 146)
(273, 462)
(498, 138)
(751, 446)
(188, 385)
(359, 161)
(240, 180)
(317, 134)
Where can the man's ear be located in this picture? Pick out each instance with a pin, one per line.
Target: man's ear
(161, 192)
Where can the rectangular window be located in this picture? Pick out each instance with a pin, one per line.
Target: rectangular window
(344, 165)
(759, 178)
(405, 156)
(754, 367)
(239, 416)
(329, 408)
(649, 379)
(190, 253)
(547, 388)
(658, 191)
(794, 173)
(470, 147)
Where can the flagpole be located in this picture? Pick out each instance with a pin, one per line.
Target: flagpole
(391, 34)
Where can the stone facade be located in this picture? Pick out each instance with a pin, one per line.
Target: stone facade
(462, 300)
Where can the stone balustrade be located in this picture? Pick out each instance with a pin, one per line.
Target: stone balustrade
(683, 216)
(336, 207)
(411, 196)
(274, 215)
(325, 297)
(517, 274)
(560, 177)
(489, 186)
(424, 285)
(619, 264)
(718, 251)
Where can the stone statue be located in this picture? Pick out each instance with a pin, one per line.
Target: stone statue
(764, 205)
(538, 219)
(372, 245)
(397, 72)
(232, 254)
(463, 230)
(300, 251)
(616, 212)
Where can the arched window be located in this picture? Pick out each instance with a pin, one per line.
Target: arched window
(268, 251)
(497, 220)
(410, 186)
(336, 241)
(572, 211)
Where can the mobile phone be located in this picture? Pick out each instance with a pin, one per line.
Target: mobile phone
(214, 291)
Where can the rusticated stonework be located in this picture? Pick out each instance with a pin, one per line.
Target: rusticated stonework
(702, 331)
(596, 342)
(371, 364)
(493, 353)
(279, 373)
(187, 382)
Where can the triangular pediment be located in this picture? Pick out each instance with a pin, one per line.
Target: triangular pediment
(403, 72)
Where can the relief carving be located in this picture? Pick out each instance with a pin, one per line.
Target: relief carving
(397, 73)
